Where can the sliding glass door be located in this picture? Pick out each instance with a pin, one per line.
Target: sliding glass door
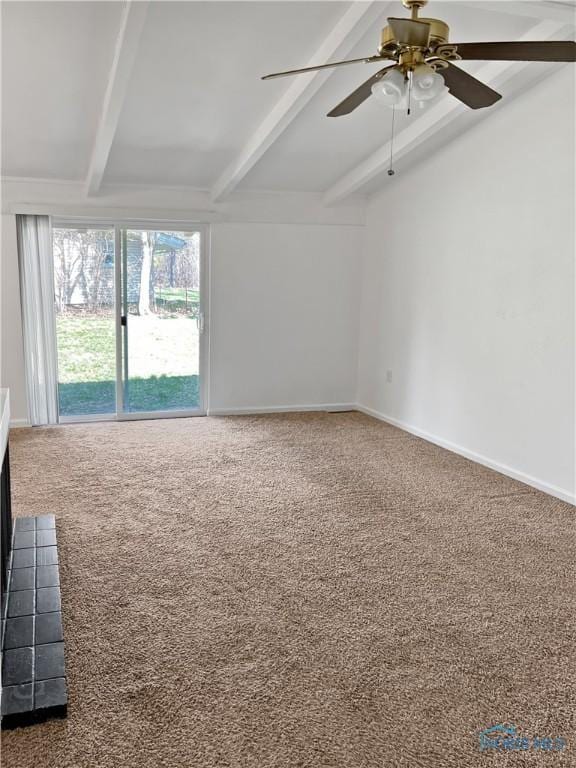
(130, 320)
(161, 320)
(84, 291)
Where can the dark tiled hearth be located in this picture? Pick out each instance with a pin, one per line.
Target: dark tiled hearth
(33, 672)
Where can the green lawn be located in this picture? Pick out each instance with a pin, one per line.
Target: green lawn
(177, 299)
(86, 348)
(178, 294)
(163, 371)
(164, 393)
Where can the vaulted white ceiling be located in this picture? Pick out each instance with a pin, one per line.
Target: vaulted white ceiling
(169, 93)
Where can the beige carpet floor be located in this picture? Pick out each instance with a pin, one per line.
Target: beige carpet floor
(296, 591)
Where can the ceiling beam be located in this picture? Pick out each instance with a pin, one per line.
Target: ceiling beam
(493, 73)
(546, 10)
(342, 38)
(126, 49)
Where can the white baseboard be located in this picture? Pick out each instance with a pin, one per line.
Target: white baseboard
(281, 409)
(17, 423)
(253, 410)
(516, 474)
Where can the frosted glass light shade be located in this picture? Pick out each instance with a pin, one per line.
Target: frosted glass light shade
(426, 84)
(390, 89)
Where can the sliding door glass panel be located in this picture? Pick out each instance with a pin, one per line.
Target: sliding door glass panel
(161, 320)
(85, 320)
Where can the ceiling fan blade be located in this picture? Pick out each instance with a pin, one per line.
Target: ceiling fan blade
(409, 32)
(365, 60)
(547, 50)
(468, 89)
(358, 96)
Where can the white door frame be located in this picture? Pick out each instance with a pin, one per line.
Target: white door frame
(203, 322)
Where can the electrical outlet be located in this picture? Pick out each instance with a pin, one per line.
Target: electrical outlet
(389, 376)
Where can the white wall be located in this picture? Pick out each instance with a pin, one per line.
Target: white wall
(284, 309)
(468, 291)
(11, 351)
(285, 306)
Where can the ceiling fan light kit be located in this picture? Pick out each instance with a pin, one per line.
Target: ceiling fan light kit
(427, 84)
(421, 64)
(390, 89)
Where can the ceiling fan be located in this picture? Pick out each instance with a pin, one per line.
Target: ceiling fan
(424, 66)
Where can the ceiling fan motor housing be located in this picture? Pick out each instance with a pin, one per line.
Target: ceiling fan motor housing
(439, 34)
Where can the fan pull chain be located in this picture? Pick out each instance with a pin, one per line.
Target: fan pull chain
(391, 171)
(409, 90)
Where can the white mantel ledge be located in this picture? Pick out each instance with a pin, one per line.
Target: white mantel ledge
(4, 421)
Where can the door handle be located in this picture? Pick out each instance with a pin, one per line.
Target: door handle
(123, 320)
